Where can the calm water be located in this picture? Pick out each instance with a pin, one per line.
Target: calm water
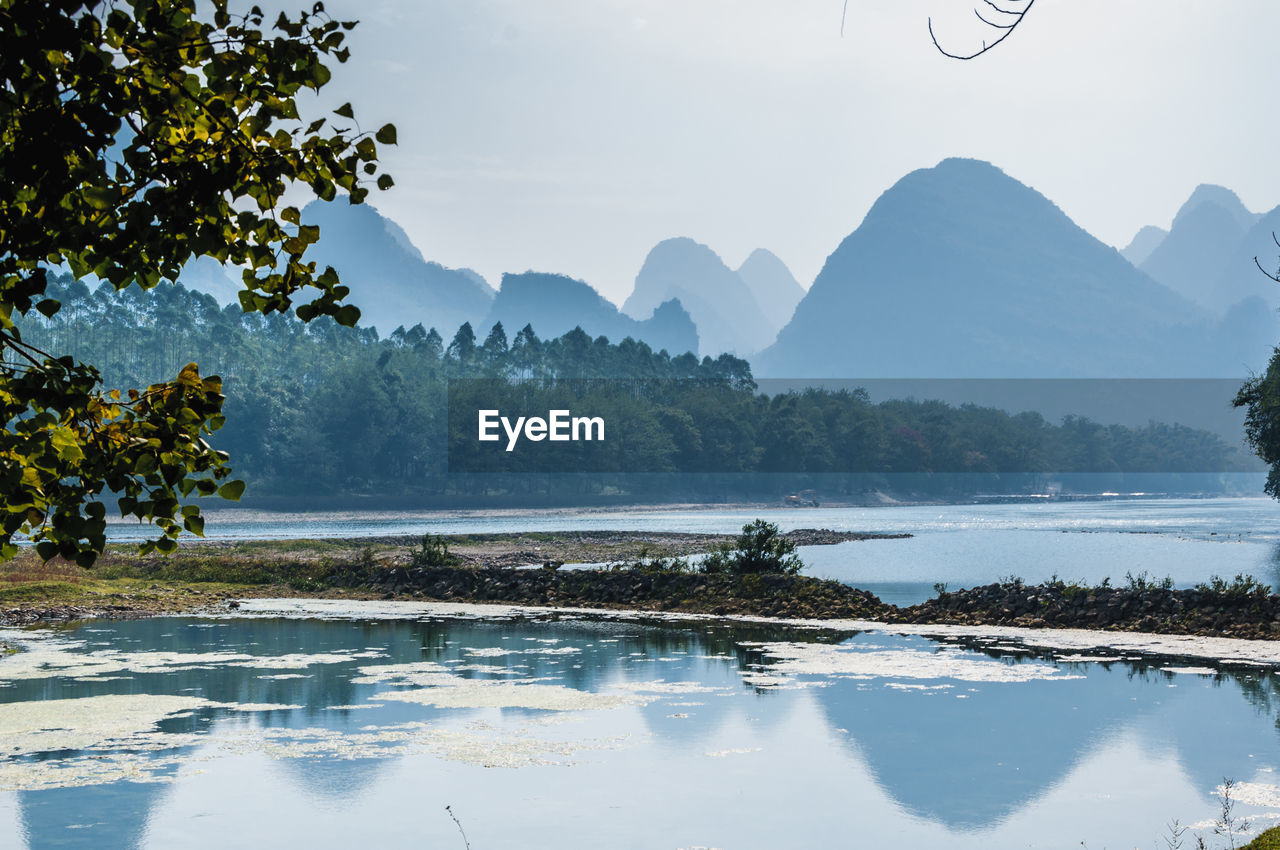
(960, 545)
(357, 731)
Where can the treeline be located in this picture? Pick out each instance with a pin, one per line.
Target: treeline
(322, 410)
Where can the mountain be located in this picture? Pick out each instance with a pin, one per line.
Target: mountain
(1206, 232)
(207, 275)
(1208, 193)
(961, 271)
(1144, 242)
(555, 304)
(1239, 277)
(773, 285)
(721, 304)
(391, 282)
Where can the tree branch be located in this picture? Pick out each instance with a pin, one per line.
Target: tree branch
(1018, 14)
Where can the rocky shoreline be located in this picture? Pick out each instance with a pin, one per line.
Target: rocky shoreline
(762, 595)
(1201, 612)
(1204, 611)
(642, 576)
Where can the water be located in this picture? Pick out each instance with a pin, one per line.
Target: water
(1189, 540)
(358, 730)
(1242, 518)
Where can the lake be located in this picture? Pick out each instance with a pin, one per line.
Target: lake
(339, 725)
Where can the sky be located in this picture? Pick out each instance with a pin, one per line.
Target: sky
(571, 136)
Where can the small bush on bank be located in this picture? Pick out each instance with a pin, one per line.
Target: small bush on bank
(649, 562)
(433, 551)
(1241, 585)
(1144, 581)
(760, 550)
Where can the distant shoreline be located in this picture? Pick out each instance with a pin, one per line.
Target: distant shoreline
(880, 500)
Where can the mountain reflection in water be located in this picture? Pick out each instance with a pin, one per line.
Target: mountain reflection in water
(701, 734)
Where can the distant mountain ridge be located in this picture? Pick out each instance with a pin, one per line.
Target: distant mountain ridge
(774, 287)
(555, 304)
(1143, 243)
(722, 305)
(956, 271)
(961, 271)
(391, 282)
(1200, 246)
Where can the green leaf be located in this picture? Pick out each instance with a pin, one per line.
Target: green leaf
(386, 134)
(232, 490)
(347, 315)
(385, 182)
(101, 197)
(345, 111)
(194, 524)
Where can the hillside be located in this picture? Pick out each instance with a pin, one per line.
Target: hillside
(555, 304)
(1205, 237)
(391, 282)
(722, 306)
(774, 287)
(961, 271)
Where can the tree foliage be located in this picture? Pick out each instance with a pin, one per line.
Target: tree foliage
(320, 408)
(760, 550)
(136, 136)
(1260, 396)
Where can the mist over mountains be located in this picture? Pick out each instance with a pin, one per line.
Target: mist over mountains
(1206, 255)
(775, 289)
(394, 284)
(961, 271)
(555, 304)
(957, 271)
(728, 317)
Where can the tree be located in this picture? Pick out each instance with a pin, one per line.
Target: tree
(1260, 396)
(135, 136)
(760, 549)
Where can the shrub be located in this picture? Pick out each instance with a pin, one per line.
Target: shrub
(760, 550)
(1144, 581)
(648, 562)
(1241, 585)
(432, 552)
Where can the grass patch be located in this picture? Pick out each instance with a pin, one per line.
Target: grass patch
(1269, 840)
(41, 591)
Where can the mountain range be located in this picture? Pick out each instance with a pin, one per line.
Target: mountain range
(1203, 256)
(555, 304)
(958, 270)
(393, 284)
(722, 304)
(961, 271)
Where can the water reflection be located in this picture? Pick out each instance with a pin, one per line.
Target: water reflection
(716, 738)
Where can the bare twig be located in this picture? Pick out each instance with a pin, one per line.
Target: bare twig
(465, 842)
(1006, 29)
(1258, 263)
(1228, 825)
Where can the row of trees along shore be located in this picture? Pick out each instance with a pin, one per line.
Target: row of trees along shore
(320, 408)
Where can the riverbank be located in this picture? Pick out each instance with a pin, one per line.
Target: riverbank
(526, 569)
(207, 574)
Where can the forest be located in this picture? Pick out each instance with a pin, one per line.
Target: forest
(338, 413)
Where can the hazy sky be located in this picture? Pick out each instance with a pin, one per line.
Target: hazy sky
(572, 135)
